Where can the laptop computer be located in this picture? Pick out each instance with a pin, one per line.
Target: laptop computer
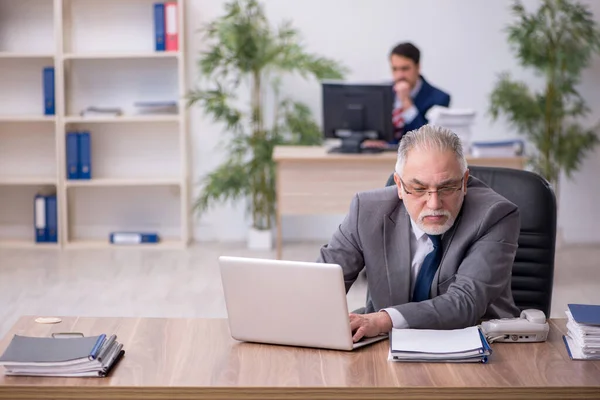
(288, 303)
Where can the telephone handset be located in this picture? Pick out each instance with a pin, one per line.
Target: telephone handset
(531, 326)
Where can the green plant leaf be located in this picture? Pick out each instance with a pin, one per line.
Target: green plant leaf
(226, 183)
(573, 145)
(515, 100)
(244, 50)
(558, 41)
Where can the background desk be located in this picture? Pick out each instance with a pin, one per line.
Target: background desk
(311, 181)
(196, 358)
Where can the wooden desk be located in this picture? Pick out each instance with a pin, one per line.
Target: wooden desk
(196, 358)
(312, 181)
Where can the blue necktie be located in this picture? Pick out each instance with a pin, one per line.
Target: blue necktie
(427, 271)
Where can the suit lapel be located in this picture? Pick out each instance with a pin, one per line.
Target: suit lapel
(423, 95)
(396, 231)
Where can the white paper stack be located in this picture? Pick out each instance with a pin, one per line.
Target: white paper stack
(426, 345)
(583, 335)
(501, 148)
(458, 120)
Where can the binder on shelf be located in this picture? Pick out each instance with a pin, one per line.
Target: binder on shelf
(48, 82)
(133, 237)
(159, 27)
(72, 155)
(85, 155)
(51, 219)
(39, 219)
(171, 27)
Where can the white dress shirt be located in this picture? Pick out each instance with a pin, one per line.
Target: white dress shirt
(410, 113)
(420, 246)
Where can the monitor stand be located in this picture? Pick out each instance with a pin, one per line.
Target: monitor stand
(350, 144)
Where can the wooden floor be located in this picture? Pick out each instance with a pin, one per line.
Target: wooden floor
(176, 283)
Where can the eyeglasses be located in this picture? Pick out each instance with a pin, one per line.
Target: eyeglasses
(444, 191)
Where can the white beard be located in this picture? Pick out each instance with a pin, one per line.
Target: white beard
(437, 229)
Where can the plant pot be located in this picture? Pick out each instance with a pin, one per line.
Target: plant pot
(259, 239)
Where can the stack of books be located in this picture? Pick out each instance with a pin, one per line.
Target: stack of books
(92, 356)
(156, 107)
(583, 335)
(95, 111)
(425, 345)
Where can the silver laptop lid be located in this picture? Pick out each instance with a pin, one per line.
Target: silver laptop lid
(286, 302)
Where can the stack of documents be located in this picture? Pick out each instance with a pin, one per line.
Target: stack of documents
(502, 148)
(74, 356)
(424, 345)
(458, 120)
(583, 335)
(102, 112)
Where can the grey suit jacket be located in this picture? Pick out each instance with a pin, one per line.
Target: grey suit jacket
(473, 279)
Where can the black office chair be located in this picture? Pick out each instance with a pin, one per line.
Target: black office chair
(533, 269)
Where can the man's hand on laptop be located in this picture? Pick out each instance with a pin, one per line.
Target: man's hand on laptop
(369, 325)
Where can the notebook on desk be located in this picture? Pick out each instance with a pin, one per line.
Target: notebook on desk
(66, 357)
(427, 345)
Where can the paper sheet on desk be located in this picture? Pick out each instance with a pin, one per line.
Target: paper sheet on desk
(435, 341)
(425, 345)
(438, 360)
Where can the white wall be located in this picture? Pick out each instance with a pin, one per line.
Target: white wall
(463, 48)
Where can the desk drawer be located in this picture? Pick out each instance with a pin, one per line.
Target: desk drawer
(327, 187)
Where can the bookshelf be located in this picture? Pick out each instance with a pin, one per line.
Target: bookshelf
(17, 56)
(103, 55)
(108, 56)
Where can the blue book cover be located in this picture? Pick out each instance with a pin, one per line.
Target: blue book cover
(85, 155)
(159, 27)
(52, 218)
(72, 155)
(39, 219)
(133, 237)
(585, 313)
(48, 79)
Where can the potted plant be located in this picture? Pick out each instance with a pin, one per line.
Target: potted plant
(244, 50)
(558, 40)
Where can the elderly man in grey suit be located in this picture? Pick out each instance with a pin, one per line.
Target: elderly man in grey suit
(435, 256)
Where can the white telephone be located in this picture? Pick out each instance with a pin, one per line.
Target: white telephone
(531, 326)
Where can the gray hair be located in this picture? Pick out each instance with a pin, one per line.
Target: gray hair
(430, 137)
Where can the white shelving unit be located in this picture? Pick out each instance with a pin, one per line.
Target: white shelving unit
(103, 55)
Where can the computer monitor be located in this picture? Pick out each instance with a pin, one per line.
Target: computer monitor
(355, 112)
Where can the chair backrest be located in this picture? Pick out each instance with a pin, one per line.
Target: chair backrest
(533, 268)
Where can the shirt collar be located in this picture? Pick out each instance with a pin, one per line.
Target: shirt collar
(418, 232)
(417, 88)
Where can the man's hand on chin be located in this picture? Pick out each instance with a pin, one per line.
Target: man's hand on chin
(402, 89)
(370, 325)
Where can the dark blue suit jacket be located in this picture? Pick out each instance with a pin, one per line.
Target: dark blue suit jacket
(427, 97)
